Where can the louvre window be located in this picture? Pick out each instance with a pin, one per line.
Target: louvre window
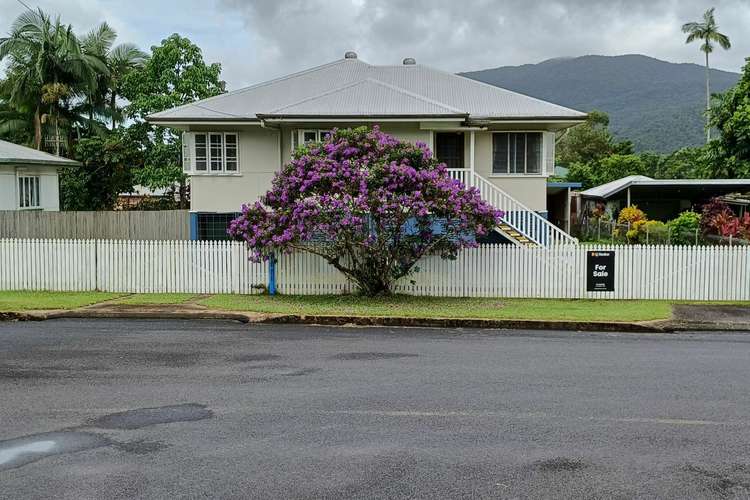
(517, 153)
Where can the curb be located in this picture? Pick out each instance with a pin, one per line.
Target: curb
(582, 326)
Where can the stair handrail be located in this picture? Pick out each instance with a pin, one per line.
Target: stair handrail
(517, 215)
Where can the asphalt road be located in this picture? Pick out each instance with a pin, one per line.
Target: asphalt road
(154, 409)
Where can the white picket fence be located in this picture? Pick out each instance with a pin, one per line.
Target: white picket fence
(641, 272)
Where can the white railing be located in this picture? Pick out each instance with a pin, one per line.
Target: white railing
(517, 215)
(641, 272)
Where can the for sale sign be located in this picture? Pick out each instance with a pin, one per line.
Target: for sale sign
(600, 271)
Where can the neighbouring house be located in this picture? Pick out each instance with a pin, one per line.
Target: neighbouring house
(29, 178)
(499, 141)
(661, 199)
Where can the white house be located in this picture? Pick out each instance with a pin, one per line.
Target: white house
(29, 178)
(500, 141)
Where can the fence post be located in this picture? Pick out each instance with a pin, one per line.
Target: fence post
(272, 275)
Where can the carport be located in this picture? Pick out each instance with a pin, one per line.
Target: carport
(661, 199)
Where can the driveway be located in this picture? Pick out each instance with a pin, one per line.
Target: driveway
(154, 409)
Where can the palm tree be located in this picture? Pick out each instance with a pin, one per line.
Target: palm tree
(119, 60)
(708, 32)
(46, 52)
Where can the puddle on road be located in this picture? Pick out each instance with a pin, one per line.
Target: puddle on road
(25, 450)
(366, 356)
(144, 417)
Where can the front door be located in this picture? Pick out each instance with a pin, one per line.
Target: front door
(449, 148)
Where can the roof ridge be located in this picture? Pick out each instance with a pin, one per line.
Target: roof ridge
(416, 96)
(263, 84)
(364, 80)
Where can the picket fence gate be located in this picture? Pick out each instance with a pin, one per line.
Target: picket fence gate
(641, 272)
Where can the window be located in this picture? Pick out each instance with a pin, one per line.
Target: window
(304, 136)
(28, 191)
(216, 152)
(230, 152)
(213, 152)
(449, 148)
(201, 152)
(517, 153)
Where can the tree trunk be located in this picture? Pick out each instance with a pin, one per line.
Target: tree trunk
(37, 128)
(113, 108)
(91, 116)
(708, 104)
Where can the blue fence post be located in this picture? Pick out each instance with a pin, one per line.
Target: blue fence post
(193, 225)
(272, 275)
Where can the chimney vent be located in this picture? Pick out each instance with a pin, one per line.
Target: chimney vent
(350, 55)
(409, 61)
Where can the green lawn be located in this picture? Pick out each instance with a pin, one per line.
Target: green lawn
(155, 298)
(25, 301)
(432, 307)
(351, 305)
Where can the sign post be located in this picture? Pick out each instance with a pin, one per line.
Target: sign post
(600, 271)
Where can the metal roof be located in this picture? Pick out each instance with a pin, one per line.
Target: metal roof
(351, 87)
(21, 155)
(611, 188)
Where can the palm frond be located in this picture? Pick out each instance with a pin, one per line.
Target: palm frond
(127, 54)
(99, 40)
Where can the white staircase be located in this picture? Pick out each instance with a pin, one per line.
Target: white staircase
(520, 224)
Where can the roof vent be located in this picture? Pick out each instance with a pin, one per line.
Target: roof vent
(409, 61)
(350, 55)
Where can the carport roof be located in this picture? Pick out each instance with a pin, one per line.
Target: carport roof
(612, 188)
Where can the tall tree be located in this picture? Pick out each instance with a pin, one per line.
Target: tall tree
(173, 75)
(589, 141)
(729, 155)
(708, 32)
(44, 51)
(119, 60)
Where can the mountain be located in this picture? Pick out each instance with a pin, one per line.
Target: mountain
(656, 104)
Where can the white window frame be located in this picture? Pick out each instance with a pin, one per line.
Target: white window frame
(298, 136)
(190, 157)
(525, 173)
(36, 191)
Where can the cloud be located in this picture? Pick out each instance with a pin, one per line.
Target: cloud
(261, 39)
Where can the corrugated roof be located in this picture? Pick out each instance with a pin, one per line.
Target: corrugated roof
(352, 87)
(21, 155)
(614, 187)
(366, 98)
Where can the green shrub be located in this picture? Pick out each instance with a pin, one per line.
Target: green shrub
(652, 231)
(684, 228)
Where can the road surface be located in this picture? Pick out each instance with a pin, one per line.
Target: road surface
(165, 409)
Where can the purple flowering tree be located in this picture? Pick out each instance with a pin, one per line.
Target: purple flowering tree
(367, 203)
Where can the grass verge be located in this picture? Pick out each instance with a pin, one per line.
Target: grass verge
(27, 301)
(438, 307)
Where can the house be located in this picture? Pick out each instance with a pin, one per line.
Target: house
(500, 141)
(29, 178)
(661, 199)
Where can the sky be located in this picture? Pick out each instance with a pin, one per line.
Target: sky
(256, 40)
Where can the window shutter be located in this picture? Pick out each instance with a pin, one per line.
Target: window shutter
(187, 148)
